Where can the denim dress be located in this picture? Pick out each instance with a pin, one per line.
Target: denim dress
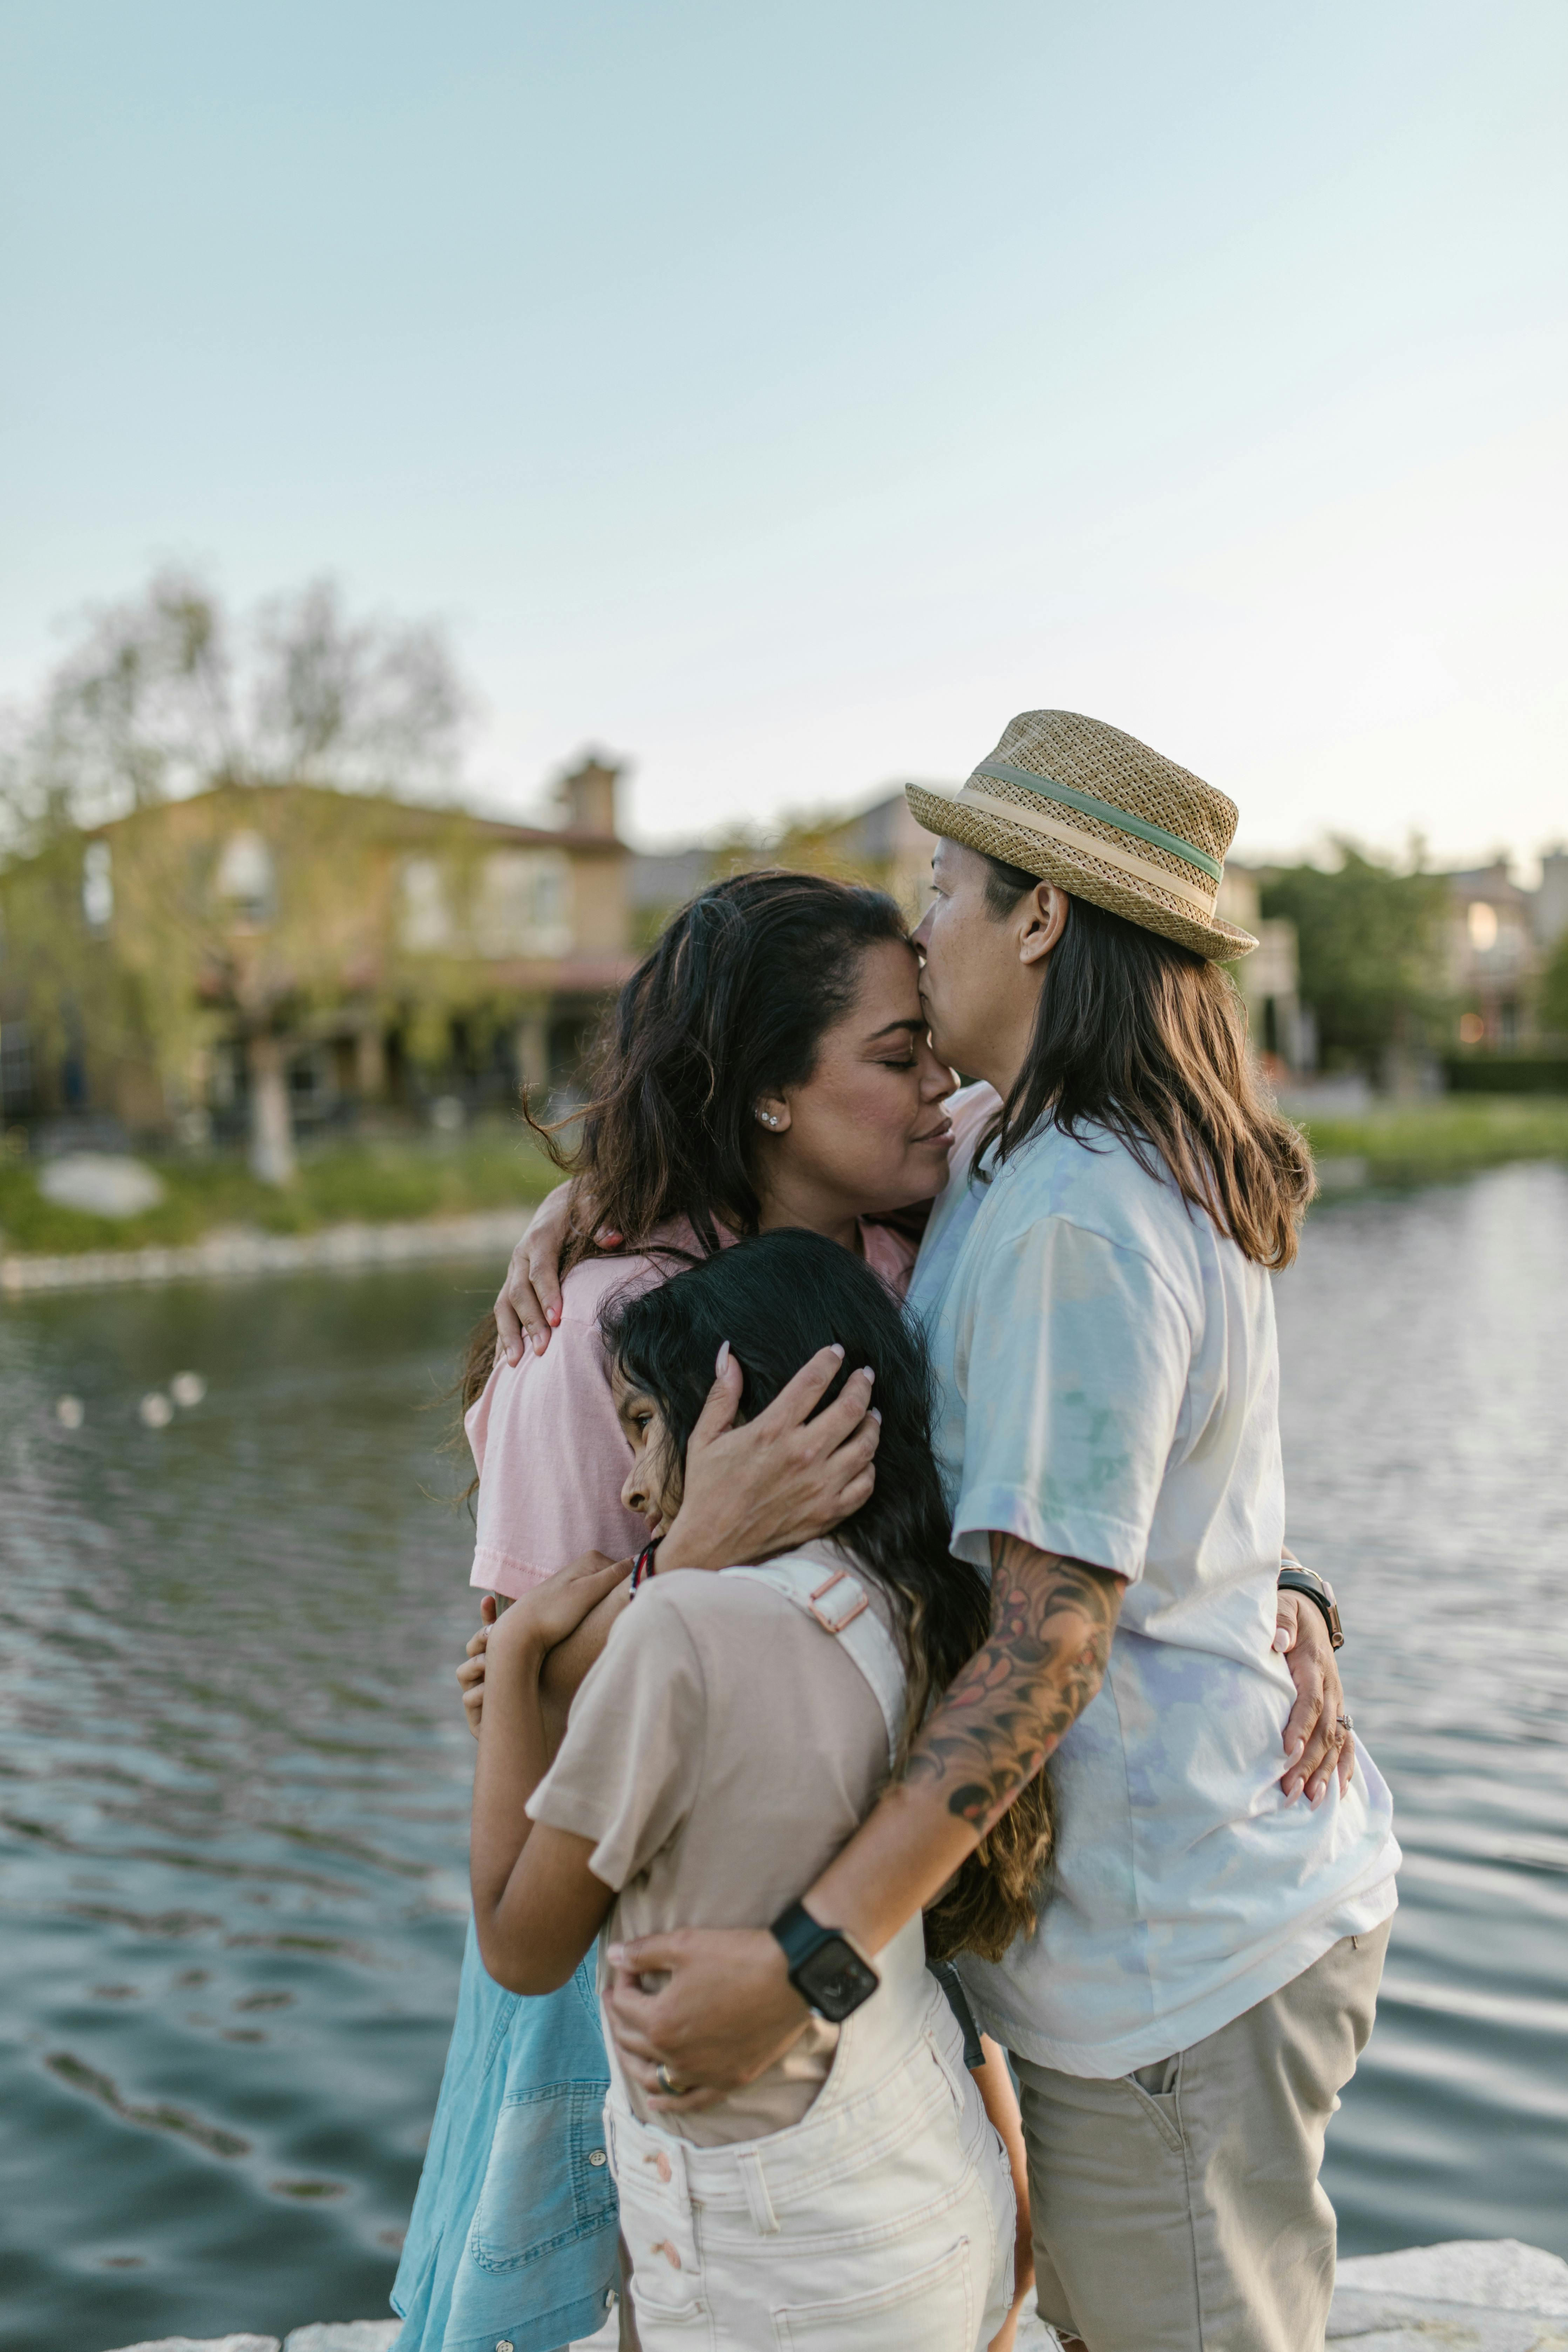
(514, 2233)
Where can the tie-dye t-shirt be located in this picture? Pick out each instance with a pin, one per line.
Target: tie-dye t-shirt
(1108, 1374)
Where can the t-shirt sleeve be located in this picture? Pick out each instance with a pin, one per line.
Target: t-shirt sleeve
(628, 1767)
(1075, 1384)
(552, 1462)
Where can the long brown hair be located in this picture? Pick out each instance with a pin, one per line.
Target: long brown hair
(731, 1005)
(1143, 1037)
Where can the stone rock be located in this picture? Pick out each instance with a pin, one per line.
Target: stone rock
(103, 1183)
(205, 2344)
(1468, 2294)
(345, 2336)
(1500, 2273)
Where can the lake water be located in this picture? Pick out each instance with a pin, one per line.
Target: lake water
(233, 1778)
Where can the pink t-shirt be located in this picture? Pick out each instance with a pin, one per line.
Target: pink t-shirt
(547, 1446)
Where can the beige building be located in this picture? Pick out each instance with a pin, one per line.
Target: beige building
(1500, 938)
(1269, 978)
(356, 951)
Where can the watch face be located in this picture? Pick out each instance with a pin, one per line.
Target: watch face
(835, 1980)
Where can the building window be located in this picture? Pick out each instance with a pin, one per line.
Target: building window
(245, 879)
(524, 903)
(425, 921)
(1481, 922)
(98, 884)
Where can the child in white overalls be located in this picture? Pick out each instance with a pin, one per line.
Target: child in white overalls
(736, 1731)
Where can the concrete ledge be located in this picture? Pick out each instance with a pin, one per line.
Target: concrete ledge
(345, 2336)
(205, 2344)
(488, 1233)
(1468, 2294)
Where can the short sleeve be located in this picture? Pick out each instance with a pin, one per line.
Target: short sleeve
(1077, 1358)
(630, 1763)
(552, 1462)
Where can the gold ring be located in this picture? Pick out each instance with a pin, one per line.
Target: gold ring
(666, 2081)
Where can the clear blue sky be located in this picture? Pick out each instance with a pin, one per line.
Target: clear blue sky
(782, 396)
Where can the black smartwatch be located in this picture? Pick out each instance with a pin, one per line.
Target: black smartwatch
(830, 1976)
(1297, 1579)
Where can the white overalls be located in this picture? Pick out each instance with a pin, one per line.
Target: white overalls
(883, 2221)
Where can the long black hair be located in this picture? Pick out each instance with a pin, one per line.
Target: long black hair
(778, 1298)
(730, 1005)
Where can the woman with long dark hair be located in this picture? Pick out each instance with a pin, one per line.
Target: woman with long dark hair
(766, 1066)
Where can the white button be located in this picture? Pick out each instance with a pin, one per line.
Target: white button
(596, 2155)
(503, 2344)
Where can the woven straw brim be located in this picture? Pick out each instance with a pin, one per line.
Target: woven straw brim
(1079, 873)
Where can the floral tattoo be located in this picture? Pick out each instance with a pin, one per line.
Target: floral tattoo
(1001, 1718)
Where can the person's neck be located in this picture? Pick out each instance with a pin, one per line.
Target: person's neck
(1005, 1062)
(805, 1211)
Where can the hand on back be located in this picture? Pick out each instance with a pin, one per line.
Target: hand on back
(528, 1306)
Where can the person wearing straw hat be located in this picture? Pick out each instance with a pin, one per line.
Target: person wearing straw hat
(1094, 1287)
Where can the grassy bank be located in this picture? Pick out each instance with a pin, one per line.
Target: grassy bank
(372, 1182)
(494, 1168)
(1434, 1142)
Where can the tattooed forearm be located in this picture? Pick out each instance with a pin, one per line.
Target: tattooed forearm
(1051, 1622)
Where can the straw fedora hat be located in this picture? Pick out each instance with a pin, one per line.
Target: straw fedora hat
(1104, 817)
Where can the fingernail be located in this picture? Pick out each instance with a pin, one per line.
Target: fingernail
(867, 1373)
(553, 1316)
(615, 1954)
(1298, 1748)
(613, 1239)
(876, 1416)
(837, 1348)
(539, 1343)
(1281, 1639)
(721, 1361)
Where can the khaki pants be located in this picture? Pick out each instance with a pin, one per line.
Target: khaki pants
(1179, 2210)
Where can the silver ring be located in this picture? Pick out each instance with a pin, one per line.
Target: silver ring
(667, 2083)
(1344, 1723)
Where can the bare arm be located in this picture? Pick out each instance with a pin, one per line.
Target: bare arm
(1000, 1718)
(729, 2008)
(537, 1905)
(565, 1669)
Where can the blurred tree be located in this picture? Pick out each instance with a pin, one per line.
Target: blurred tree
(1370, 946)
(154, 705)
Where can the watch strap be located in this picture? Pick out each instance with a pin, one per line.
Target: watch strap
(1305, 1580)
(802, 1937)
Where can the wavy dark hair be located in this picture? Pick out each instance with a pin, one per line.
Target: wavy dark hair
(778, 1298)
(1147, 1039)
(731, 1005)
